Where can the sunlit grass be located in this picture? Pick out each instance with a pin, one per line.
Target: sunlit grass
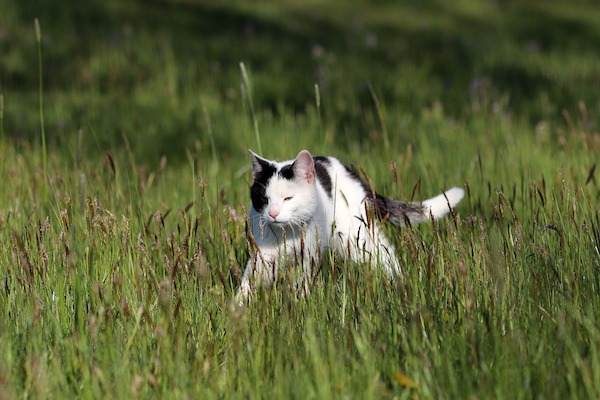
(116, 285)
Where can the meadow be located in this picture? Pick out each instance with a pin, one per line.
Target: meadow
(124, 130)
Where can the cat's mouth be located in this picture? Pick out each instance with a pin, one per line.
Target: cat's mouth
(276, 222)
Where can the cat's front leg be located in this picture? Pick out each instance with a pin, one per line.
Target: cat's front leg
(260, 270)
(244, 290)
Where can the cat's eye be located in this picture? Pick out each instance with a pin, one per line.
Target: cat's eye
(287, 198)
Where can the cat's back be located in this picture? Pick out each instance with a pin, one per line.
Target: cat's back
(338, 180)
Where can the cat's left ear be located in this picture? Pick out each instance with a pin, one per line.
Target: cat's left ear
(304, 166)
(258, 164)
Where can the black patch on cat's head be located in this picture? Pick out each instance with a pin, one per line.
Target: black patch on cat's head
(261, 167)
(262, 172)
(287, 172)
(321, 164)
(258, 196)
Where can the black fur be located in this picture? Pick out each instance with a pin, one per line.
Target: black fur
(321, 164)
(259, 187)
(287, 172)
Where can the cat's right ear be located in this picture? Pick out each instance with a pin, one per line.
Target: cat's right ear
(258, 164)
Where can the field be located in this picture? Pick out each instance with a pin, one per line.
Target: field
(124, 131)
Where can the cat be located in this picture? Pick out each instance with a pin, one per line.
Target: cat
(301, 207)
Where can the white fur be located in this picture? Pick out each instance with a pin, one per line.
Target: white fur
(438, 206)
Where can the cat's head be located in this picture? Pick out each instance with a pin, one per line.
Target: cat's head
(284, 192)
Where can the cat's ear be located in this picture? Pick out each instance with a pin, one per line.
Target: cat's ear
(258, 164)
(304, 166)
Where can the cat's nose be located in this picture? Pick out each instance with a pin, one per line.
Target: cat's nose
(273, 213)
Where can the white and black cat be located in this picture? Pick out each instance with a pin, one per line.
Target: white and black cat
(302, 206)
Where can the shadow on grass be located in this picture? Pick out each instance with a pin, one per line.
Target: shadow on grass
(411, 55)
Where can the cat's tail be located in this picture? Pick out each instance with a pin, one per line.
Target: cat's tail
(400, 213)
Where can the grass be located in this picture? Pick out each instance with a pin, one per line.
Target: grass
(122, 251)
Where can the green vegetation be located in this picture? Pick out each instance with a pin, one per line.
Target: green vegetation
(124, 197)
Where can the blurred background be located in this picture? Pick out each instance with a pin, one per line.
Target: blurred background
(162, 76)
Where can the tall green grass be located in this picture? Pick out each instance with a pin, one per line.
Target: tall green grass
(117, 286)
(122, 250)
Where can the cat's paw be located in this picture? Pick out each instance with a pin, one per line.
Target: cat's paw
(244, 293)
